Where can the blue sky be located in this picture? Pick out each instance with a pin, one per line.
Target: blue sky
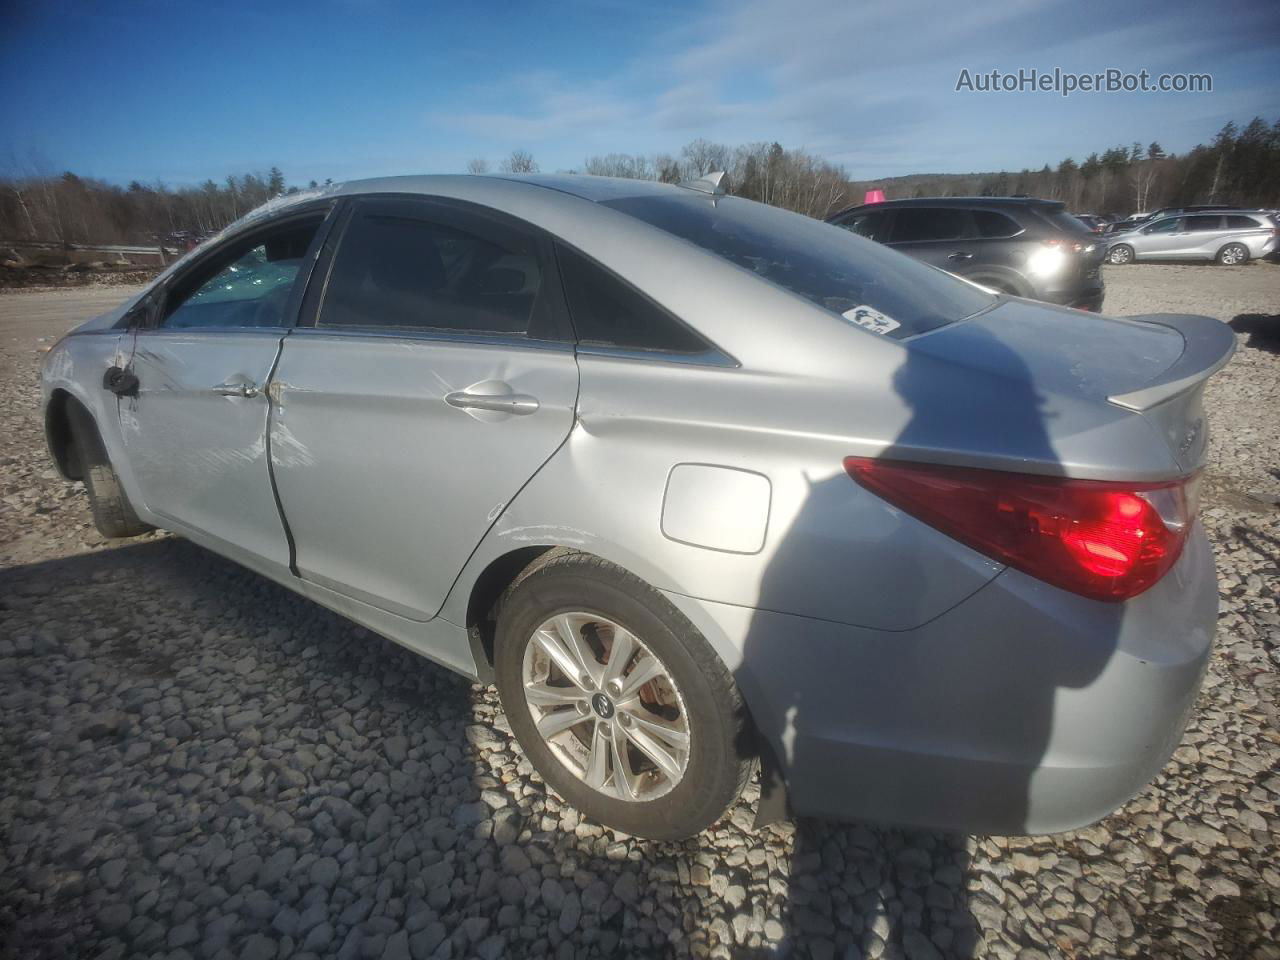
(177, 91)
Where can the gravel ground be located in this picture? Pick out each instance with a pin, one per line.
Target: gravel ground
(197, 763)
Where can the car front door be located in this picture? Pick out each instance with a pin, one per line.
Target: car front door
(941, 236)
(1160, 239)
(194, 429)
(871, 224)
(413, 403)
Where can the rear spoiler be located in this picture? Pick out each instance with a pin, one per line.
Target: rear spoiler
(1207, 346)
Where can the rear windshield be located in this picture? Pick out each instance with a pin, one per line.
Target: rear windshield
(858, 280)
(1064, 221)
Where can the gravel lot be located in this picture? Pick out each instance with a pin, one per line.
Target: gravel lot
(197, 763)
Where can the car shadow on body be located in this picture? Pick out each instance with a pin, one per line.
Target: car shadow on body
(857, 890)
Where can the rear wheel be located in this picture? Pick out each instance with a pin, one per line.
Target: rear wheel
(113, 514)
(620, 704)
(1120, 254)
(1233, 254)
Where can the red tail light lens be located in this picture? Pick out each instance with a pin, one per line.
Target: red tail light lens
(1108, 541)
(1064, 244)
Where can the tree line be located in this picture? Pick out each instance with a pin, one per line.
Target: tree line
(1240, 166)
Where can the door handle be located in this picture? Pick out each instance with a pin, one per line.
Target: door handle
(520, 404)
(237, 388)
(960, 256)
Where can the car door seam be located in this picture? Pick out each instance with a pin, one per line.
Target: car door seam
(271, 470)
(573, 425)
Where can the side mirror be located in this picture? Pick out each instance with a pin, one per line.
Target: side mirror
(122, 383)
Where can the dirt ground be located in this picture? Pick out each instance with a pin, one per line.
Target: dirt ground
(198, 764)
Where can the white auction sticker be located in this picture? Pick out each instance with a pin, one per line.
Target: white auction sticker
(872, 319)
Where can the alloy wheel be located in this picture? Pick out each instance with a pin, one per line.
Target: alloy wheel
(606, 706)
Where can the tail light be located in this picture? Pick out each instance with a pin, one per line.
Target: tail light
(1104, 540)
(1065, 245)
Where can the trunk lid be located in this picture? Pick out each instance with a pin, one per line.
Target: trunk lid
(1173, 400)
(1154, 365)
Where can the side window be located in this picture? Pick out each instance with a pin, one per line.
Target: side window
(251, 290)
(406, 271)
(917, 224)
(608, 312)
(994, 226)
(1238, 222)
(1203, 224)
(1167, 225)
(869, 225)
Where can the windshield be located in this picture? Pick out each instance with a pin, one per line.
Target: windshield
(858, 280)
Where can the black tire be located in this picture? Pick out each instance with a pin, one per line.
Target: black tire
(113, 514)
(1233, 254)
(720, 756)
(1120, 254)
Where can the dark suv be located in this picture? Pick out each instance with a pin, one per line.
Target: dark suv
(1029, 248)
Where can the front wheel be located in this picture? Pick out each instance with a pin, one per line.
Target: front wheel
(1233, 254)
(113, 514)
(618, 701)
(1120, 254)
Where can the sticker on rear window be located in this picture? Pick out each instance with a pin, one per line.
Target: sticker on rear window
(872, 319)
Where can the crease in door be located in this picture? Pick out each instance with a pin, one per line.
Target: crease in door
(271, 469)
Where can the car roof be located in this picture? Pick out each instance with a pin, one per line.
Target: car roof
(964, 202)
(582, 185)
(492, 190)
(1009, 203)
(1215, 212)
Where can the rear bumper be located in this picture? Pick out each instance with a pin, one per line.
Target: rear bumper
(1024, 709)
(1080, 297)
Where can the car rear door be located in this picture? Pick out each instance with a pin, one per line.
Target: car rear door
(411, 405)
(194, 429)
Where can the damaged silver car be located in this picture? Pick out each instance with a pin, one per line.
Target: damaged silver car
(699, 483)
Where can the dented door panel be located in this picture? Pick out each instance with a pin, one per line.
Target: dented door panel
(393, 455)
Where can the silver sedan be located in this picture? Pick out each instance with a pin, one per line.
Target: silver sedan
(703, 486)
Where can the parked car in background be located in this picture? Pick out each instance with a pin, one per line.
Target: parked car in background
(1122, 225)
(1016, 245)
(1092, 221)
(1194, 208)
(694, 480)
(1231, 237)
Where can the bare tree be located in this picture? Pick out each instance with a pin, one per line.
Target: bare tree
(1144, 172)
(630, 166)
(702, 157)
(520, 161)
(477, 165)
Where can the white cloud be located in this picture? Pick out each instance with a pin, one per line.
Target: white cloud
(873, 87)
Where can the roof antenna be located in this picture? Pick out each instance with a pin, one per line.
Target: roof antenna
(715, 183)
